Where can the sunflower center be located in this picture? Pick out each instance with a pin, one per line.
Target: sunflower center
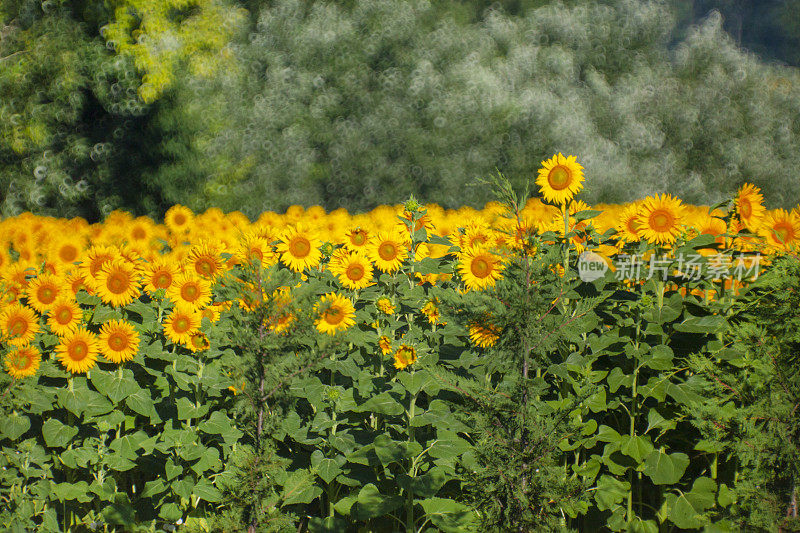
(64, 316)
(358, 238)
(78, 351)
(334, 316)
(118, 341)
(205, 267)
(199, 341)
(18, 326)
(355, 272)
(22, 361)
(300, 247)
(179, 219)
(139, 234)
(256, 253)
(480, 267)
(559, 177)
(745, 209)
(387, 251)
(68, 254)
(479, 239)
(162, 280)
(190, 292)
(118, 282)
(181, 325)
(661, 221)
(784, 233)
(46, 295)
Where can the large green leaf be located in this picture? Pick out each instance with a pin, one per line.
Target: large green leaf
(205, 490)
(664, 468)
(384, 403)
(14, 425)
(610, 491)
(56, 434)
(114, 385)
(371, 503)
(300, 488)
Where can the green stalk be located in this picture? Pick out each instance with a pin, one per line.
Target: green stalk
(410, 493)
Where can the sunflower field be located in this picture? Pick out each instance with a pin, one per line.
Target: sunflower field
(538, 365)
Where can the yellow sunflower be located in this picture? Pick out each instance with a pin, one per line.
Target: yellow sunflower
(357, 239)
(389, 251)
(431, 311)
(299, 249)
(385, 306)
(336, 313)
(354, 271)
(385, 344)
(119, 342)
(479, 268)
(404, 356)
(23, 362)
(78, 351)
(211, 312)
(66, 250)
(483, 335)
(781, 229)
(190, 291)
(181, 325)
(118, 283)
(205, 260)
(93, 262)
(198, 342)
(560, 179)
(65, 316)
(256, 248)
(178, 219)
(660, 219)
(628, 225)
(749, 204)
(43, 291)
(19, 324)
(160, 274)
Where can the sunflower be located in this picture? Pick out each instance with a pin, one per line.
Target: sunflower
(23, 362)
(118, 341)
(431, 311)
(404, 356)
(299, 249)
(160, 274)
(749, 204)
(205, 260)
(389, 251)
(354, 271)
(118, 283)
(43, 291)
(385, 306)
(256, 248)
(198, 342)
(178, 219)
(181, 325)
(19, 324)
(781, 229)
(78, 351)
(190, 291)
(77, 282)
(385, 344)
(560, 178)
(357, 239)
(211, 312)
(66, 250)
(476, 235)
(479, 268)
(93, 262)
(483, 335)
(65, 316)
(660, 219)
(628, 225)
(336, 313)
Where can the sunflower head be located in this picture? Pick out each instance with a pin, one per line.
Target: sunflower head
(781, 230)
(336, 313)
(118, 283)
(661, 219)
(479, 268)
(78, 351)
(22, 362)
(389, 250)
(181, 324)
(299, 249)
(18, 324)
(43, 291)
(560, 179)
(65, 316)
(118, 341)
(749, 206)
(404, 356)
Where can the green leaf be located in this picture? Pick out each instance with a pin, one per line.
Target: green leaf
(300, 488)
(153, 488)
(205, 490)
(610, 491)
(636, 447)
(617, 378)
(170, 512)
(415, 382)
(328, 469)
(57, 434)
(384, 404)
(660, 358)
(686, 509)
(387, 450)
(187, 409)
(707, 324)
(14, 425)
(665, 469)
(219, 423)
(113, 385)
(448, 515)
(371, 503)
(72, 491)
(141, 403)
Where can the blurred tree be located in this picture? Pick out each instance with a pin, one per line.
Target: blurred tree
(365, 102)
(82, 116)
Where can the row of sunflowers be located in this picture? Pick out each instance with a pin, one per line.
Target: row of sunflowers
(45, 263)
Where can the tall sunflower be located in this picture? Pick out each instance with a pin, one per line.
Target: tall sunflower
(357, 239)
(93, 262)
(749, 204)
(299, 249)
(118, 341)
(204, 259)
(389, 250)
(198, 342)
(118, 283)
(19, 324)
(65, 316)
(43, 291)
(479, 268)
(354, 271)
(560, 179)
(78, 351)
(181, 325)
(781, 230)
(23, 362)
(178, 219)
(628, 224)
(190, 291)
(404, 356)
(660, 219)
(336, 313)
